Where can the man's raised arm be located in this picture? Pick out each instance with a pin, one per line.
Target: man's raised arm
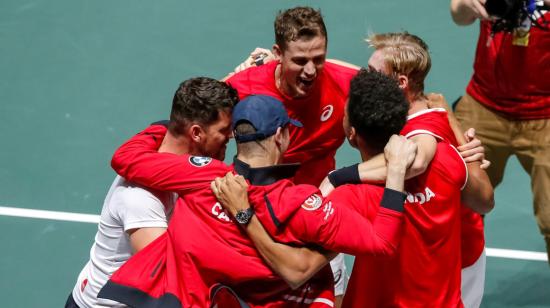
(139, 161)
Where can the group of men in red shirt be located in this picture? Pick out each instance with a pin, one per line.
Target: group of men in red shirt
(267, 242)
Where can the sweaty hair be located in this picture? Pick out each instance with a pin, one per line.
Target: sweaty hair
(298, 23)
(377, 108)
(199, 100)
(404, 54)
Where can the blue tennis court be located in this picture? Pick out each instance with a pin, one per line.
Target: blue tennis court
(77, 78)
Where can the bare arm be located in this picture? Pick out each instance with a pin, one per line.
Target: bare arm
(375, 170)
(139, 238)
(478, 194)
(465, 12)
(257, 57)
(295, 265)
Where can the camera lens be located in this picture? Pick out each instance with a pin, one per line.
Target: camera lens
(501, 8)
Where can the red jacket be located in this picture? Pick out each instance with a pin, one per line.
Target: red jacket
(204, 247)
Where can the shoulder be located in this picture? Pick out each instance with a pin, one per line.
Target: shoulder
(433, 122)
(451, 164)
(340, 70)
(253, 74)
(339, 65)
(130, 200)
(340, 73)
(300, 193)
(255, 80)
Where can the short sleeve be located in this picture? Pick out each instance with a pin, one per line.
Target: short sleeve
(136, 207)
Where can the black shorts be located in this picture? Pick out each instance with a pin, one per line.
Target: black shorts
(70, 302)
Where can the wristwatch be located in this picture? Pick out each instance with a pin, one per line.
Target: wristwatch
(243, 216)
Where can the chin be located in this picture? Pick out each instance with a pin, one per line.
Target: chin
(301, 93)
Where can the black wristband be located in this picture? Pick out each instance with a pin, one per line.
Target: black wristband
(346, 175)
(393, 200)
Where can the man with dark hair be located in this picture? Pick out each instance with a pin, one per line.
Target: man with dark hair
(204, 247)
(298, 23)
(369, 95)
(133, 216)
(312, 90)
(197, 105)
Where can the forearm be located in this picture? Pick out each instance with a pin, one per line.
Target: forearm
(462, 15)
(353, 233)
(295, 265)
(139, 161)
(373, 170)
(456, 127)
(478, 194)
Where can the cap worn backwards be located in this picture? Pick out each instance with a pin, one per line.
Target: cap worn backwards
(265, 113)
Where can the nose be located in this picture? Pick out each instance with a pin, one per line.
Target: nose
(309, 69)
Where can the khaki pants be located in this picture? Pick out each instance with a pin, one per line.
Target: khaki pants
(529, 140)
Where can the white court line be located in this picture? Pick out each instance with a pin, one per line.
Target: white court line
(89, 218)
(516, 254)
(64, 216)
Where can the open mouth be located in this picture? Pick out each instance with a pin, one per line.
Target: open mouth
(306, 82)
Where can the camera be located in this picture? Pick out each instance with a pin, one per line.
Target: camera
(511, 13)
(504, 9)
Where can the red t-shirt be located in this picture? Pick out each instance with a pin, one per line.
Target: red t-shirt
(512, 78)
(426, 270)
(436, 123)
(207, 247)
(314, 145)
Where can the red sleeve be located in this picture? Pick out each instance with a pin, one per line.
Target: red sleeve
(434, 122)
(138, 161)
(241, 82)
(341, 74)
(337, 226)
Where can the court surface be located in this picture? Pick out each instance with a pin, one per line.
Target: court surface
(77, 78)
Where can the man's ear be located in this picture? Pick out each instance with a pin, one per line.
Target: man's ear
(277, 52)
(278, 137)
(352, 138)
(403, 82)
(195, 133)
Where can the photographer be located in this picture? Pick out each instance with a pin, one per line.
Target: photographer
(507, 99)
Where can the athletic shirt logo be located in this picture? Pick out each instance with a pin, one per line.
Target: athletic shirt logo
(199, 161)
(326, 112)
(312, 203)
(83, 284)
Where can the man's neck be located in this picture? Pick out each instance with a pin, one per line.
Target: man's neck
(258, 160)
(175, 145)
(279, 82)
(417, 102)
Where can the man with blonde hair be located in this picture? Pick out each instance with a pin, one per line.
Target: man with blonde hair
(434, 234)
